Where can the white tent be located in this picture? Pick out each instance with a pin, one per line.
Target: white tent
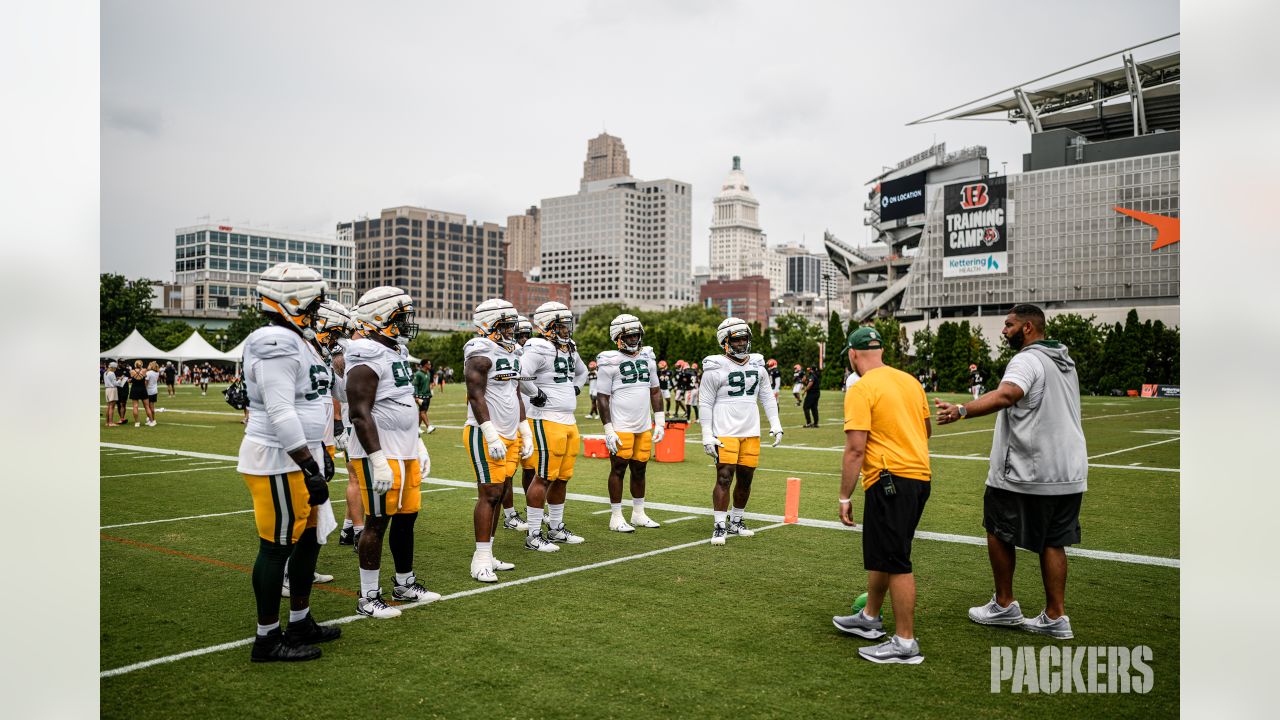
(136, 347)
(237, 353)
(197, 348)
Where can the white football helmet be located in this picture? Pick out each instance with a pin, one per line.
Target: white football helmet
(524, 330)
(496, 319)
(554, 321)
(333, 322)
(627, 333)
(386, 311)
(734, 337)
(292, 291)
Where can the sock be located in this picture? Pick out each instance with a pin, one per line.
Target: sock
(403, 578)
(296, 615)
(865, 615)
(736, 514)
(535, 520)
(616, 509)
(347, 524)
(268, 576)
(905, 643)
(484, 552)
(556, 515)
(368, 582)
(637, 505)
(264, 629)
(719, 516)
(359, 528)
(509, 512)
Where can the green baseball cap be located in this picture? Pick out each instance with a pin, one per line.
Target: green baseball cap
(864, 338)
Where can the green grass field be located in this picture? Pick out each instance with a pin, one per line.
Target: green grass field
(686, 630)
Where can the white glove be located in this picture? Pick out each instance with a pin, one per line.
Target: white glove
(776, 432)
(424, 459)
(382, 477)
(659, 427)
(611, 439)
(340, 439)
(526, 441)
(710, 443)
(497, 448)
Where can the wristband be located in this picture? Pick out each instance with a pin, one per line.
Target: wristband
(846, 501)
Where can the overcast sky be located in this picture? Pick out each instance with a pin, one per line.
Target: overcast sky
(299, 115)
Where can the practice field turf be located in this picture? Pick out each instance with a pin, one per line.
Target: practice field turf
(654, 623)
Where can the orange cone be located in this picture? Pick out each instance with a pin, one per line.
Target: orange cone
(792, 513)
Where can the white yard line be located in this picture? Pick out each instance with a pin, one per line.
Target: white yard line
(1136, 447)
(680, 519)
(827, 524)
(233, 512)
(168, 472)
(189, 425)
(1092, 417)
(452, 596)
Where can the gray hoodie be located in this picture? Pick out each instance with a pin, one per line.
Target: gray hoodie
(1041, 451)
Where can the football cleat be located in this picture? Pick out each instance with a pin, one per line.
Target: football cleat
(718, 534)
(563, 534)
(617, 524)
(274, 647)
(515, 522)
(739, 528)
(539, 542)
(309, 632)
(412, 591)
(373, 606)
(640, 520)
(483, 573)
(347, 536)
(501, 566)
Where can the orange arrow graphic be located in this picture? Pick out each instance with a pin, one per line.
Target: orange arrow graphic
(1167, 228)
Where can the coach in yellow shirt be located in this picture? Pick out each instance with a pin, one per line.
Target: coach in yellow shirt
(886, 425)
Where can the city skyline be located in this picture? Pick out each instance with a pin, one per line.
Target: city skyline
(248, 117)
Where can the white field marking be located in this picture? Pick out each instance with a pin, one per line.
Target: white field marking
(206, 462)
(439, 490)
(452, 596)
(179, 459)
(830, 524)
(790, 472)
(682, 518)
(1158, 432)
(1132, 464)
(200, 412)
(1136, 447)
(601, 512)
(168, 472)
(1092, 417)
(190, 425)
(233, 512)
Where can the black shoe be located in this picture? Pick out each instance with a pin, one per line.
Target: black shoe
(347, 536)
(275, 647)
(309, 632)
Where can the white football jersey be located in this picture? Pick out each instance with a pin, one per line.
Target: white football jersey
(729, 392)
(556, 374)
(628, 380)
(261, 452)
(340, 384)
(395, 414)
(501, 395)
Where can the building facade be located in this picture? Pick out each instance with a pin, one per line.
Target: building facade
(216, 266)
(621, 240)
(527, 296)
(606, 159)
(445, 263)
(746, 298)
(738, 246)
(524, 240)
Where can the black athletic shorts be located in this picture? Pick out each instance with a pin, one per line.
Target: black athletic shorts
(1033, 522)
(423, 403)
(889, 524)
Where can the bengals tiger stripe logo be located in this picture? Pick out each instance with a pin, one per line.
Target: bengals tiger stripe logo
(974, 196)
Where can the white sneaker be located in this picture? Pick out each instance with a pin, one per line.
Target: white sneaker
(993, 614)
(137, 424)
(540, 543)
(563, 534)
(639, 519)
(321, 578)
(515, 522)
(617, 524)
(483, 573)
(412, 591)
(151, 423)
(718, 534)
(499, 565)
(431, 429)
(373, 606)
(740, 529)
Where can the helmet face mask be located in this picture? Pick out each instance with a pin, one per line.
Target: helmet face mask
(293, 293)
(496, 319)
(406, 329)
(555, 322)
(627, 333)
(388, 312)
(734, 336)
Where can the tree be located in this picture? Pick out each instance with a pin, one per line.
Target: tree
(835, 361)
(249, 319)
(123, 305)
(1083, 338)
(923, 341)
(796, 341)
(169, 334)
(894, 338)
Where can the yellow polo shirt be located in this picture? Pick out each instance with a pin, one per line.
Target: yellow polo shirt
(891, 406)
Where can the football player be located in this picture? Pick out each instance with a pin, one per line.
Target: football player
(333, 323)
(731, 384)
(775, 377)
(557, 373)
(281, 457)
(797, 382)
(495, 435)
(512, 519)
(386, 452)
(681, 381)
(664, 384)
(628, 380)
(691, 400)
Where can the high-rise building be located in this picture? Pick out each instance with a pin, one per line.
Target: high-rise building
(527, 296)
(738, 246)
(804, 274)
(446, 264)
(620, 240)
(216, 266)
(746, 298)
(606, 159)
(524, 240)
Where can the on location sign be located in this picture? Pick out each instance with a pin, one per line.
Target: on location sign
(902, 197)
(973, 229)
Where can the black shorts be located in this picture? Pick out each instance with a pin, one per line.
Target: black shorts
(423, 403)
(889, 524)
(137, 391)
(152, 397)
(1032, 522)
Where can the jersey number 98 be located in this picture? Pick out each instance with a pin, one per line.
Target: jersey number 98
(634, 372)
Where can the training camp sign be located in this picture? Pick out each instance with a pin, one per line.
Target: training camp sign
(973, 228)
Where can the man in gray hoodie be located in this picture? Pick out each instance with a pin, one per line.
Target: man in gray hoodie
(1039, 470)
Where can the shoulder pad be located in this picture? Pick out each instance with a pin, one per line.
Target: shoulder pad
(477, 346)
(647, 353)
(712, 362)
(539, 346)
(755, 359)
(272, 341)
(608, 357)
(363, 349)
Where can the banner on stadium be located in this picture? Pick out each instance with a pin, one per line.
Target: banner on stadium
(974, 241)
(902, 197)
(1161, 391)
